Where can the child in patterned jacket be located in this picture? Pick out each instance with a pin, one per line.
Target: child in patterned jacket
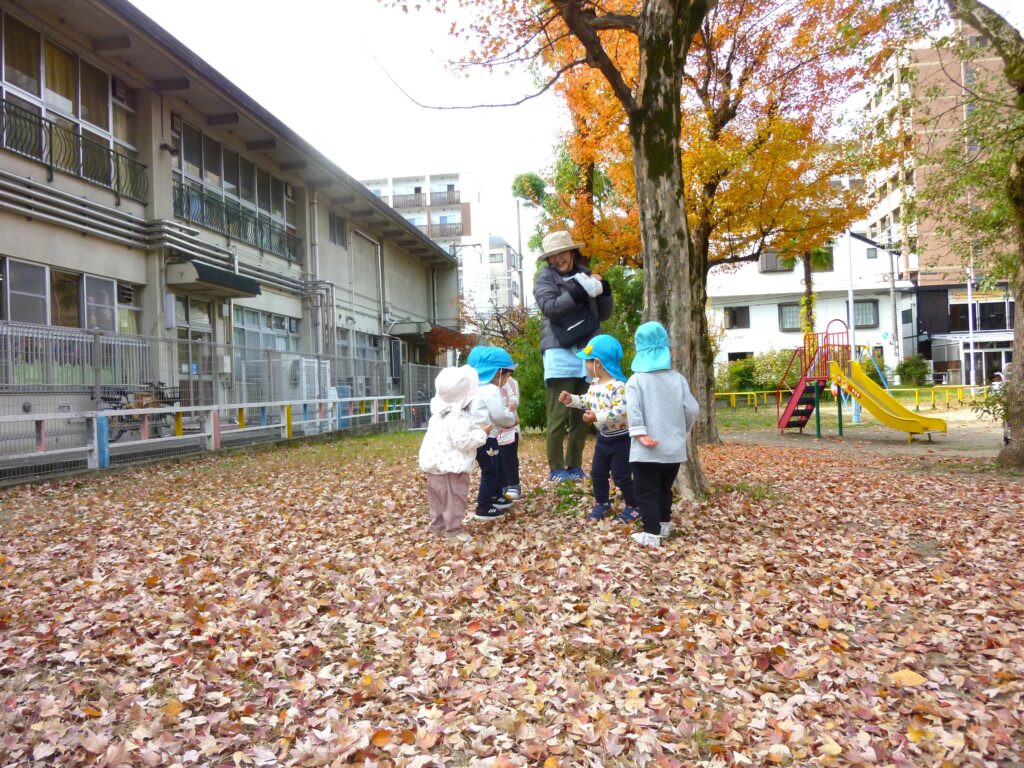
(604, 404)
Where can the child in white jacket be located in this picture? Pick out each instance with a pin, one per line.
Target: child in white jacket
(449, 449)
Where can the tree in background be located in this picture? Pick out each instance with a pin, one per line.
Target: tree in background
(1006, 154)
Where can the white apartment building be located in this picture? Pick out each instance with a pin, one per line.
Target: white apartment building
(757, 304)
(450, 208)
(506, 274)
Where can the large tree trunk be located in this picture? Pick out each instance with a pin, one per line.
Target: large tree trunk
(702, 355)
(668, 251)
(1012, 455)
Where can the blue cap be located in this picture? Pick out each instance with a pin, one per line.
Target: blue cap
(652, 352)
(608, 351)
(487, 361)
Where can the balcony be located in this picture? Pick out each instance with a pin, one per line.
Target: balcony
(59, 148)
(415, 200)
(446, 230)
(210, 211)
(448, 197)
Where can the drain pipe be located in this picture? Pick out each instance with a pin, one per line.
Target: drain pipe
(315, 309)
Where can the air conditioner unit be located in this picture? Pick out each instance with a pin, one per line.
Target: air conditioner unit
(119, 89)
(175, 123)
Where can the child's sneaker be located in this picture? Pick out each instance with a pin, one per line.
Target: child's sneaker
(458, 536)
(646, 539)
(514, 492)
(489, 514)
(666, 530)
(599, 511)
(628, 515)
(502, 502)
(575, 473)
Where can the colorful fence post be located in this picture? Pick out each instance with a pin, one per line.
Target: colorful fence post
(179, 423)
(241, 418)
(102, 437)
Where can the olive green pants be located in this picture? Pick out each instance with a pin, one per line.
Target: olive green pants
(562, 420)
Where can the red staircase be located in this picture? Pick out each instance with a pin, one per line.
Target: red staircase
(812, 361)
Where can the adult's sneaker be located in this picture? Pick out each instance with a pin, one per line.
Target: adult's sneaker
(666, 530)
(576, 473)
(489, 514)
(559, 476)
(514, 492)
(599, 511)
(646, 539)
(502, 502)
(628, 515)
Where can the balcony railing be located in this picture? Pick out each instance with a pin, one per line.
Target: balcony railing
(60, 148)
(207, 210)
(448, 197)
(414, 200)
(446, 230)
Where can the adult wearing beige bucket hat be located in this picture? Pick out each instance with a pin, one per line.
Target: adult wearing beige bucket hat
(574, 302)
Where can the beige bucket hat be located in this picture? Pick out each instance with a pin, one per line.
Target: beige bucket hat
(558, 242)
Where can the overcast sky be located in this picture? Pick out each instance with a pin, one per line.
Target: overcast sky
(314, 64)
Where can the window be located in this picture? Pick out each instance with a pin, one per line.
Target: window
(865, 313)
(264, 330)
(739, 356)
(61, 77)
(992, 316)
(737, 317)
(129, 310)
(95, 96)
(336, 230)
(21, 56)
(191, 152)
(99, 303)
(26, 292)
(872, 253)
(211, 162)
(771, 261)
(65, 299)
(789, 317)
(497, 257)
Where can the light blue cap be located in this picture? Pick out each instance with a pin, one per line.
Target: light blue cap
(608, 350)
(652, 350)
(487, 361)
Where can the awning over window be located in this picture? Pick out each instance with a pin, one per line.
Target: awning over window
(198, 279)
(411, 328)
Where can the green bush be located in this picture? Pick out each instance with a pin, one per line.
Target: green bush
(913, 371)
(759, 373)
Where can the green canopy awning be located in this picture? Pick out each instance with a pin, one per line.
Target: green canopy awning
(198, 279)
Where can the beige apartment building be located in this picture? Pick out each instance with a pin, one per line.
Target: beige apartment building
(154, 215)
(958, 327)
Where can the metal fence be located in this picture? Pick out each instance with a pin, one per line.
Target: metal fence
(65, 374)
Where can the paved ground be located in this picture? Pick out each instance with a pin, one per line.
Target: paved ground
(968, 437)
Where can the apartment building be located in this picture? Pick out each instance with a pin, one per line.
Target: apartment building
(506, 274)
(148, 204)
(756, 305)
(450, 209)
(923, 99)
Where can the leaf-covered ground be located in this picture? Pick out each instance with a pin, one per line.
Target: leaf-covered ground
(288, 607)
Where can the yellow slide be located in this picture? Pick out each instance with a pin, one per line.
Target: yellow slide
(881, 404)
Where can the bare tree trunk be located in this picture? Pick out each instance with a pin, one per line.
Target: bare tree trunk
(808, 318)
(700, 369)
(668, 251)
(1012, 455)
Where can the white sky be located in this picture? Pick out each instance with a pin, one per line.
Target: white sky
(311, 63)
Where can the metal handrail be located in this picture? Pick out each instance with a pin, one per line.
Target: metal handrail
(59, 148)
(200, 207)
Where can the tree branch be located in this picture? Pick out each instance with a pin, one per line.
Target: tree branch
(582, 23)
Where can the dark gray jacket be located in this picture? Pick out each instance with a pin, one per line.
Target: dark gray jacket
(557, 296)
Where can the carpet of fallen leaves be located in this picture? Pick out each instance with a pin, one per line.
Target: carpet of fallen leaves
(288, 607)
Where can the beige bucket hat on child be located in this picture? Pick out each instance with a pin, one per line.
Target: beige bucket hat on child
(558, 242)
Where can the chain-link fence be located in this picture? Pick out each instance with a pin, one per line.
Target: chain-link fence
(50, 370)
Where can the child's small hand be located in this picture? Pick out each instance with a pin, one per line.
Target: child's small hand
(647, 441)
(565, 398)
(589, 416)
(487, 428)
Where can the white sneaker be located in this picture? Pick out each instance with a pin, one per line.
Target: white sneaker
(458, 536)
(646, 539)
(666, 529)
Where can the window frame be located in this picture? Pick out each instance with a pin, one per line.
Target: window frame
(853, 318)
(783, 307)
(730, 319)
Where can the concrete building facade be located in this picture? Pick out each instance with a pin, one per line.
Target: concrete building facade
(144, 196)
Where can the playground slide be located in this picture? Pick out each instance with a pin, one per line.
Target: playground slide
(881, 404)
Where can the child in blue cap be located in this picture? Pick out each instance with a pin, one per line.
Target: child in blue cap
(604, 404)
(661, 412)
(493, 365)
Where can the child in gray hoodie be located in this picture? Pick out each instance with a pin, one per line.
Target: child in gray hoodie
(661, 411)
